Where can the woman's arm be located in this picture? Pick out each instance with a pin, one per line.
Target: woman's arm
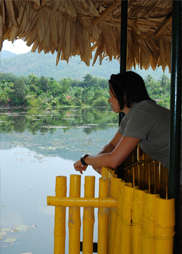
(112, 144)
(108, 149)
(110, 159)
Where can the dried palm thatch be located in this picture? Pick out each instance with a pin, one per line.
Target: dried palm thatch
(78, 27)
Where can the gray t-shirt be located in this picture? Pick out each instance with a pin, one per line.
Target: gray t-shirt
(150, 123)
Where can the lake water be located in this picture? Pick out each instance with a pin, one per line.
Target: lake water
(36, 146)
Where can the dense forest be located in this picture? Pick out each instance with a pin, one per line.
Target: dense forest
(46, 92)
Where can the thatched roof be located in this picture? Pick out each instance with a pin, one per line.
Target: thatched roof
(78, 27)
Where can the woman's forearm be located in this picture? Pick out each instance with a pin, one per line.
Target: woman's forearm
(110, 159)
(101, 160)
(116, 156)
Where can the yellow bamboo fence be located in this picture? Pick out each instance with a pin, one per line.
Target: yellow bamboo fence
(146, 173)
(130, 220)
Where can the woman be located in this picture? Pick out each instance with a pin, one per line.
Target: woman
(144, 122)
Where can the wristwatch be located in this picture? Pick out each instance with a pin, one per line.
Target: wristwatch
(82, 159)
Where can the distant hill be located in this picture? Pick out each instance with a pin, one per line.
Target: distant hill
(45, 65)
(7, 54)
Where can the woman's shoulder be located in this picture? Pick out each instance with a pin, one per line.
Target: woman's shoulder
(153, 110)
(151, 106)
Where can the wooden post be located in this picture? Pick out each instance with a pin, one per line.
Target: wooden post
(175, 121)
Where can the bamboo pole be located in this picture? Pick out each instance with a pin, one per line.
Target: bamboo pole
(148, 230)
(164, 225)
(126, 219)
(137, 213)
(103, 218)
(82, 202)
(112, 214)
(60, 216)
(74, 216)
(88, 216)
(118, 223)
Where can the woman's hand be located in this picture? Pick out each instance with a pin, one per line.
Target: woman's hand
(79, 166)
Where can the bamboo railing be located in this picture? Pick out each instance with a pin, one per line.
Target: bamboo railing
(146, 173)
(130, 220)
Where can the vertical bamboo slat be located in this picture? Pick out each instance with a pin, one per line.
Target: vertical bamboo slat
(112, 214)
(137, 220)
(88, 216)
(118, 223)
(104, 172)
(103, 218)
(148, 230)
(74, 216)
(145, 173)
(60, 216)
(164, 225)
(126, 219)
(149, 178)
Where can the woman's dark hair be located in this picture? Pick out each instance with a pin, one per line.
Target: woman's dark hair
(129, 87)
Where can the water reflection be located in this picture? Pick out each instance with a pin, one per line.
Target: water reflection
(31, 159)
(90, 119)
(25, 185)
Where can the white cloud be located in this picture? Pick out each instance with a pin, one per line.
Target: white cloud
(18, 46)
(10, 219)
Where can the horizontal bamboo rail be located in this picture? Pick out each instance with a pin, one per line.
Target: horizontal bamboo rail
(130, 220)
(81, 202)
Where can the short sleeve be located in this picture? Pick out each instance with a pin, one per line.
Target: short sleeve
(122, 125)
(140, 125)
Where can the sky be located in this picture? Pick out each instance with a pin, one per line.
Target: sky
(18, 46)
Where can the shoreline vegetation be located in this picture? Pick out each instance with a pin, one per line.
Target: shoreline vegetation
(48, 120)
(32, 91)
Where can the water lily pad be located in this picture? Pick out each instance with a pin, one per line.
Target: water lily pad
(5, 229)
(20, 228)
(52, 148)
(9, 240)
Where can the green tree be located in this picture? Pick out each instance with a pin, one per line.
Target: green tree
(54, 87)
(32, 79)
(43, 84)
(19, 93)
(165, 82)
(101, 101)
(148, 79)
(65, 85)
(33, 88)
(87, 80)
(6, 89)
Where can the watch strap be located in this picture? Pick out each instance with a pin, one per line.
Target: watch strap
(82, 159)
